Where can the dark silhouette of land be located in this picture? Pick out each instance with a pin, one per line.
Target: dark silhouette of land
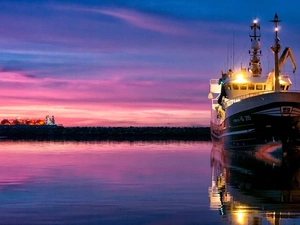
(24, 132)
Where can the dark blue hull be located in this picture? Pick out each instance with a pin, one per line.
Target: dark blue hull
(273, 122)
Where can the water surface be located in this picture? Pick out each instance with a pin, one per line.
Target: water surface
(106, 183)
(161, 183)
(256, 184)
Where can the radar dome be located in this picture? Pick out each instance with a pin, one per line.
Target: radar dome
(255, 44)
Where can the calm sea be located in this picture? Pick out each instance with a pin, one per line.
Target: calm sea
(153, 183)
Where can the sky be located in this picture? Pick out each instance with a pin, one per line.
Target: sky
(129, 63)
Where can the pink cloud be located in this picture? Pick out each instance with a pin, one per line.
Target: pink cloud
(110, 102)
(142, 81)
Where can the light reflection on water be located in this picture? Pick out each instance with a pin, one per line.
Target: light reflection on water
(105, 183)
(258, 184)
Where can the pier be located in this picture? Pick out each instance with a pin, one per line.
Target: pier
(61, 133)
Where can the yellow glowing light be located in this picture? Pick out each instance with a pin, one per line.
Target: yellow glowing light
(240, 78)
(281, 81)
(255, 21)
(240, 216)
(276, 28)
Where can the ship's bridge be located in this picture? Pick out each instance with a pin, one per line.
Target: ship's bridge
(241, 85)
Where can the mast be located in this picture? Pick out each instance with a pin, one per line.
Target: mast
(255, 65)
(276, 49)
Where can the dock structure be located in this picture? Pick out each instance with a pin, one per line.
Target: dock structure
(61, 133)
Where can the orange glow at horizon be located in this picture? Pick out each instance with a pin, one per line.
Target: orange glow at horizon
(109, 117)
(82, 103)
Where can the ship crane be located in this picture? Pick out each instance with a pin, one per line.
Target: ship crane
(285, 54)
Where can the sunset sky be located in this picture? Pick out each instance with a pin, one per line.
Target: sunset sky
(129, 63)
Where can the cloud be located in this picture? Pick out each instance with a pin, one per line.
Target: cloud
(145, 21)
(136, 18)
(101, 102)
(105, 65)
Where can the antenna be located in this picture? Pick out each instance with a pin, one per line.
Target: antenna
(233, 51)
(227, 63)
(255, 53)
(276, 49)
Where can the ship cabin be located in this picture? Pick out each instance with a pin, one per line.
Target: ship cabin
(239, 86)
(231, 88)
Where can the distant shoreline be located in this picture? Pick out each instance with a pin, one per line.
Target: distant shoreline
(61, 133)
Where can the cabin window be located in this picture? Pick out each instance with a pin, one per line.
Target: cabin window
(287, 87)
(259, 87)
(251, 86)
(235, 87)
(282, 87)
(264, 87)
(243, 86)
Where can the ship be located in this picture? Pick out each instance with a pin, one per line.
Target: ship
(248, 105)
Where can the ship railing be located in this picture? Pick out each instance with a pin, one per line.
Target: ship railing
(241, 97)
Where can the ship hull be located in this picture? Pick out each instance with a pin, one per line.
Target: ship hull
(269, 117)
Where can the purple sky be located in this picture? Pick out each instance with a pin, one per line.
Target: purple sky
(128, 63)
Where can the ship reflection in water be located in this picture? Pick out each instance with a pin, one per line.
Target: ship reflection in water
(258, 184)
